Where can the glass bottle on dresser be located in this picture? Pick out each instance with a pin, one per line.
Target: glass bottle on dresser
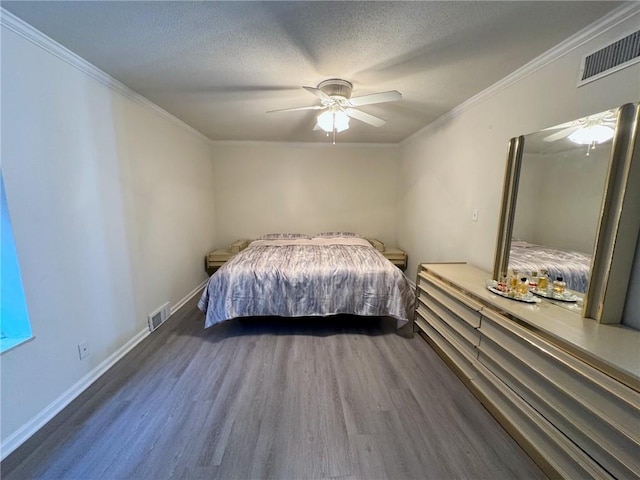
(543, 281)
(513, 280)
(558, 286)
(523, 287)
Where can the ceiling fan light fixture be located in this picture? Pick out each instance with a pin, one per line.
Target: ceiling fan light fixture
(330, 121)
(592, 134)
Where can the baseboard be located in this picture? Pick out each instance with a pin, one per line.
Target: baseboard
(187, 297)
(25, 432)
(13, 441)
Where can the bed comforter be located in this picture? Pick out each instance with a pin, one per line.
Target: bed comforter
(308, 277)
(573, 267)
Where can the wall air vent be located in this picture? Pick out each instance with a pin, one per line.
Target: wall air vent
(613, 57)
(158, 317)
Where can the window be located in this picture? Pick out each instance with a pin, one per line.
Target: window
(14, 319)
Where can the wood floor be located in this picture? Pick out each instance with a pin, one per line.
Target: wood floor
(343, 398)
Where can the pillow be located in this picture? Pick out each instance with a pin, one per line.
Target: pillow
(281, 236)
(338, 234)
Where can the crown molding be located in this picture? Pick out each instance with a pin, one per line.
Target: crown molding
(26, 31)
(613, 18)
(327, 144)
(617, 16)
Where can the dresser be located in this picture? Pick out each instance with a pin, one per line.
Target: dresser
(566, 388)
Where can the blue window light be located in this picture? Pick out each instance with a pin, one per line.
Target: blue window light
(14, 318)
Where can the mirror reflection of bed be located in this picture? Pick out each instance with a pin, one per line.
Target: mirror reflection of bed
(559, 199)
(570, 266)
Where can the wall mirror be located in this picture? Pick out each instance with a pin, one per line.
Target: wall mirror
(571, 205)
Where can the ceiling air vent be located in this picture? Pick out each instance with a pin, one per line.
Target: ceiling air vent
(613, 57)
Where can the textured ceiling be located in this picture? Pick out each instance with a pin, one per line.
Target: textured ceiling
(219, 66)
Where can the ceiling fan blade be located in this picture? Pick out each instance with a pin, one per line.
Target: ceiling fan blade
(314, 107)
(364, 117)
(382, 97)
(318, 93)
(561, 134)
(562, 125)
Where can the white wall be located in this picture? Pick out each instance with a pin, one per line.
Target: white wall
(305, 188)
(457, 165)
(112, 208)
(560, 198)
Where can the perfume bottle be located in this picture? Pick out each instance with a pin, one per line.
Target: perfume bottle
(523, 287)
(533, 281)
(513, 280)
(543, 281)
(558, 286)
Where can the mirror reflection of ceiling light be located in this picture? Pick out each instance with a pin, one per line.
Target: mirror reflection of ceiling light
(333, 120)
(592, 134)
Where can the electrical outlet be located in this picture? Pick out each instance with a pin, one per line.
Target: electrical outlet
(474, 215)
(83, 350)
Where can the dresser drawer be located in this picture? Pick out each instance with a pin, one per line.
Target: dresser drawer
(462, 306)
(457, 324)
(447, 344)
(596, 412)
(445, 327)
(556, 454)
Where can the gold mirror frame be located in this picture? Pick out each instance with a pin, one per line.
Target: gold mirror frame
(618, 226)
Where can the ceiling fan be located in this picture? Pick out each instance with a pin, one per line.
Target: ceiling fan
(596, 128)
(338, 106)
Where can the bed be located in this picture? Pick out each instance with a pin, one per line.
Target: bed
(573, 267)
(298, 276)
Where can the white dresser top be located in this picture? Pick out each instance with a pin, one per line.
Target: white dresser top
(613, 348)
